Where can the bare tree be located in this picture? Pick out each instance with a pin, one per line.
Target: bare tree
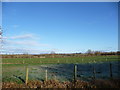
(89, 51)
(52, 52)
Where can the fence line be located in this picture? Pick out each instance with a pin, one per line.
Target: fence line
(75, 73)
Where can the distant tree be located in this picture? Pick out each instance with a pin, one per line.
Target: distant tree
(52, 52)
(118, 52)
(89, 51)
(97, 52)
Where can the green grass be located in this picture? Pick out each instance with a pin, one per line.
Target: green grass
(68, 60)
(18, 68)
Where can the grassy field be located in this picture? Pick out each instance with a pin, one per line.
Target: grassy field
(14, 69)
(69, 60)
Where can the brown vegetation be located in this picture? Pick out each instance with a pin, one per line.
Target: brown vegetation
(90, 53)
(49, 84)
(115, 83)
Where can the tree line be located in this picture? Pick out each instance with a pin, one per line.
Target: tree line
(57, 55)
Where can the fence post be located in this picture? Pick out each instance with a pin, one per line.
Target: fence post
(66, 61)
(94, 72)
(55, 78)
(23, 61)
(26, 81)
(82, 59)
(111, 70)
(46, 75)
(75, 72)
(58, 61)
(106, 59)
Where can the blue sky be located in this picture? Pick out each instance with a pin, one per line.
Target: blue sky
(0, 13)
(61, 27)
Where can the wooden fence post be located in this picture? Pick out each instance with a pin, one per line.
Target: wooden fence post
(106, 59)
(26, 81)
(75, 72)
(46, 75)
(94, 72)
(23, 61)
(55, 78)
(58, 61)
(82, 59)
(111, 70)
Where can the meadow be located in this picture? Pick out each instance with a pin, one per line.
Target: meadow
(68, 60)
(14, 69)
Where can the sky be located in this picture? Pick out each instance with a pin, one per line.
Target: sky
(63, 27)
(0, 13)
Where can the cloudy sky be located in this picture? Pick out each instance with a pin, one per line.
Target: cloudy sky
(61, 27)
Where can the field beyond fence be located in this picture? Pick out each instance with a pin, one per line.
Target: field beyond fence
(60, 69)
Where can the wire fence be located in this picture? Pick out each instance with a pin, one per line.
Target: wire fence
(70, 72)
(61, 72)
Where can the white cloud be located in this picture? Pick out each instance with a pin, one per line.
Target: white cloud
(25, 36)
(23, 43)
(15, 50)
